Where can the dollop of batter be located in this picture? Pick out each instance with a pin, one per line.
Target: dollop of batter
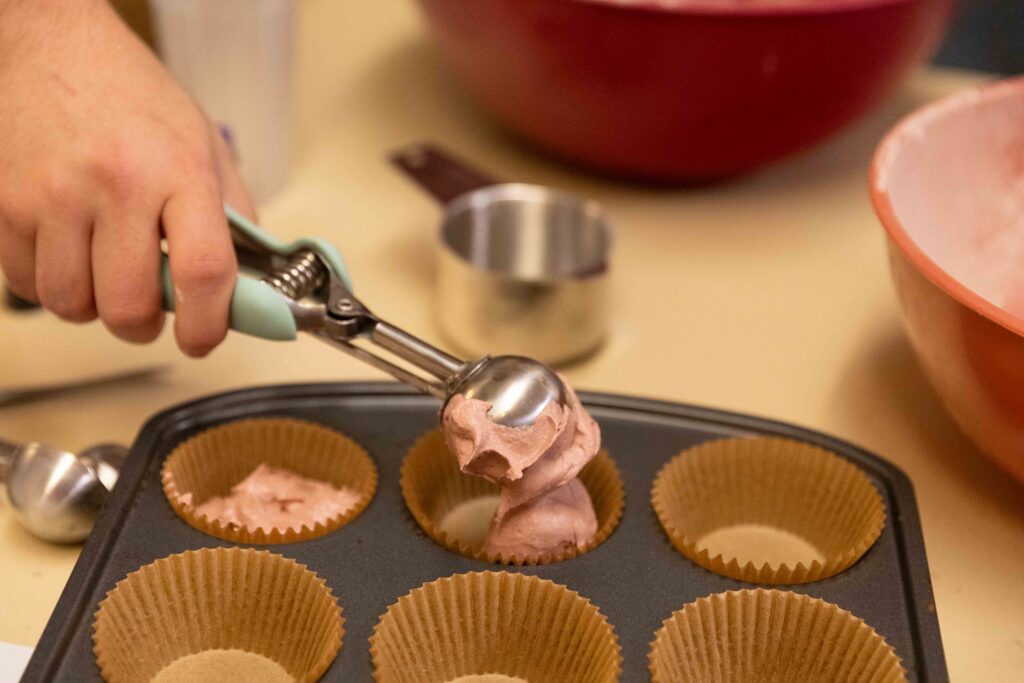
(272, 498)
(544, 506)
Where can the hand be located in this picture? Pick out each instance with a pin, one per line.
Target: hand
(102, 154)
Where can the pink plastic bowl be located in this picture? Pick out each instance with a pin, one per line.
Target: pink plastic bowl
(681, 89)
(948, 185)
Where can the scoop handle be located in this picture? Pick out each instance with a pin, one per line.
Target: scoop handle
(257, 309)
(266, 244)
(16, 303)
(439, 173)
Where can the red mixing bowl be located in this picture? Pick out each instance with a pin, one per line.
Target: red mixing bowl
(688, 90)
(948, 185)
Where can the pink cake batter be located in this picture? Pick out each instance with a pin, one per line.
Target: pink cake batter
(272, 498)
(969, 222)
(544, 506)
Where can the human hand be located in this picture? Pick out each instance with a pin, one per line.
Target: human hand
(102, 155)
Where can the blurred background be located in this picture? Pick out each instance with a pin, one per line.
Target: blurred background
(987, 35)
(244, 83)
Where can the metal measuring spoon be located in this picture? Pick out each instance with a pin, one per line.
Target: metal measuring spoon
(56, 494)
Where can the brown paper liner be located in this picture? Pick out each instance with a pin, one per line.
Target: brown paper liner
(769, 636)
(778, 483)
(210, 463)
(217, 601)
(432, 486)
(494, 623)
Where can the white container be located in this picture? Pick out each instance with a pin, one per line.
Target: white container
(235, 58)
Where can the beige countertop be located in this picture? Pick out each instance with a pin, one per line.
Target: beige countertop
(768, 295)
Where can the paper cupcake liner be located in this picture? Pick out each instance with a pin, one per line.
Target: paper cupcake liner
(769, 636)
(210, 463)
(513, 625)
(813, 497)
(432, 486)
(223, 603)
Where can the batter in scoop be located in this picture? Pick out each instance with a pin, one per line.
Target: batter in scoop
(544, 507)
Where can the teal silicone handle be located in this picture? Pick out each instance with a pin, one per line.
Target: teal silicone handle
(274, 244)
(256, 307)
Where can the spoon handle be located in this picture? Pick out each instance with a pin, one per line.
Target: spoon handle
(7, 451)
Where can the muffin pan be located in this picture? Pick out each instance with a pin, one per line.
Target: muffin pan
(636, 578)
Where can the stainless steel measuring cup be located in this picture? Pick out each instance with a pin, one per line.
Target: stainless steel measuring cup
(523, 269)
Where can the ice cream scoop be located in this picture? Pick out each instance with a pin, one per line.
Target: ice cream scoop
(306, 288)
(56, 494)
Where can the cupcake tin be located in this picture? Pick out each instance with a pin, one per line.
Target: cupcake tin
(636, 578)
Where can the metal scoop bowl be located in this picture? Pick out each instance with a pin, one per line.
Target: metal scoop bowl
(56, 494)
(519, 389)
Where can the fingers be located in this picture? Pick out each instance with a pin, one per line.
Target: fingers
(63, 270)
(126, 273)
(18, 258)
(99, 254)
(203, 266)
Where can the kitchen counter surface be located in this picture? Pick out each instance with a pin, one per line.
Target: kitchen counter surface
(769, 294)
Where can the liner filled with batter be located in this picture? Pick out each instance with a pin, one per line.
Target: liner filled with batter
(459, 510)
(269, 480)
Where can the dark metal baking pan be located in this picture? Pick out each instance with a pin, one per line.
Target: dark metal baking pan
(636, 578)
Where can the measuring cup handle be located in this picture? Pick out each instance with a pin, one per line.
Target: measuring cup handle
(440, 174)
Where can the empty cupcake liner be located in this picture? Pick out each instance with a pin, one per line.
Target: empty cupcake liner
(769, 636)
(433, 486)
(217, 609)
(807, 513)
(212, 462)
(508, 625)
